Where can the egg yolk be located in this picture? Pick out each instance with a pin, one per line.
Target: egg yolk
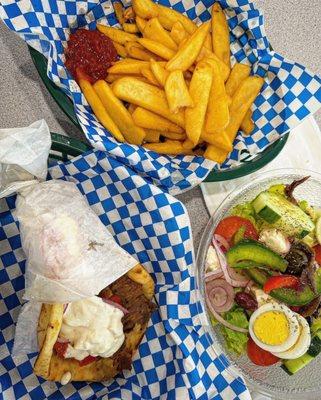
(271, 328)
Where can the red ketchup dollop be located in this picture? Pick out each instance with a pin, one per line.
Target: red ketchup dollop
(90, 51)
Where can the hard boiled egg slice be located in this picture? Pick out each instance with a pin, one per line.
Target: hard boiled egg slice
(302, 344)
(274, 327)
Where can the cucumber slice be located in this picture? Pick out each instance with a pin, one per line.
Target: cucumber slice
(282, 214)
(293, 366)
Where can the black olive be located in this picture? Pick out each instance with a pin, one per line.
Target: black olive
(299, 257)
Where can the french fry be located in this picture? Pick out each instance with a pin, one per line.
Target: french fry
(98, 108)
(199, 89)
(149, 120)
(225, 143)
(172, 147)
(145, 9)
(113, 77)
(129, 13)
(152, 136)
(176, 92)
(241, 102)
(119, 11)
(188, 53)
(147, 96)
(137, 51)
(208, 42)
(121, 50)
(247, 125)
(224, 69)
(157, 48)
(215, 154)
(116, 35)
(174, 135)
(154, 30)
(178, 33)
(130, 28)
(147, 73)
(167, 17)
(141, 23)
(238, 73)
(132, 67)
(220, 35)
(188, 144)
(218, 114)
(159, 72)
(119, 113)
(131, 108)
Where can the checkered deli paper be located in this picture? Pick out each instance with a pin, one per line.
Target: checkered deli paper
(175, 359)
(291, 92)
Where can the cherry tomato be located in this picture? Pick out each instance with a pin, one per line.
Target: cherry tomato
(317, 252)
(115, 298)
(87, 360)
(61, 348)
(230, 225)
(259, 356)
(281, 281)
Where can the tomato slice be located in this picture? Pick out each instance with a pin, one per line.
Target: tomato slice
(61, 348)
(281, 281)
(317, 252)
(259, 356)
(230, 225)
(87, 360)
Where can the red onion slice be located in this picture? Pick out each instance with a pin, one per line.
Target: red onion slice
(223, 243)
(116, 305)
(248, 287)
(209, 276)
(220, 294)
(232, 277)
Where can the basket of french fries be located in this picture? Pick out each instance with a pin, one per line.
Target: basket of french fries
(173, 92)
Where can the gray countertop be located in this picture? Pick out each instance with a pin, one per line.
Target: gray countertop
(292, 26)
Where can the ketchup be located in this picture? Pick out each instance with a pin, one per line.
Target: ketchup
(90, 51)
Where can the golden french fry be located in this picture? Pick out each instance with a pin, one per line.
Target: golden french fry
(128, 67)
(154, 30)
(176, 92)
(247, 125)
(220, 35)
(215, 154)
(141, 23)
(116, 35)
(152, 136)
(129, 13)
(147, 96)
(188, 53)
(241, 102)
(208, 42)
(119, 11)
(238, 73)
(121, 51)
(131, 108)
(149, 120)
(167, 17)
(147, 73)
(130, 28)
(178, 33)
(113, 77)
(199, 89)
(137, 51)
(145, 9)
(159, 72)
(218, 114)
(119, 113)
(172, 147)
(224, 69)
(188, 144)
(225, 143)
(174, 135)
(157, 48)
(99, 110)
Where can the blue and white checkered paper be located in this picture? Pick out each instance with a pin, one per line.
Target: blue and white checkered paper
(174, 360)
(291, 92)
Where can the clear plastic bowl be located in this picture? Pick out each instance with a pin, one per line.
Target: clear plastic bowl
(272, 381)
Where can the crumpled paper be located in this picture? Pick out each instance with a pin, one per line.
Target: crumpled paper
(70, 253)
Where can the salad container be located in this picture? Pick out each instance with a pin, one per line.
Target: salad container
(272, 380)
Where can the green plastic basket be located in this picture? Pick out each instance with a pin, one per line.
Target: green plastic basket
(245, 168)
(64, 147)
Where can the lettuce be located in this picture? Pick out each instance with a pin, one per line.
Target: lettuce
(235, 341)
(244, 210)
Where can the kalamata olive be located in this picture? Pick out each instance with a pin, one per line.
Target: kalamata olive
(299, 257)
(246, 301)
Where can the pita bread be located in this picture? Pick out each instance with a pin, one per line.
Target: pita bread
(51, 367)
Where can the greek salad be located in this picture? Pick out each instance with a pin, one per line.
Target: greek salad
(263, 279)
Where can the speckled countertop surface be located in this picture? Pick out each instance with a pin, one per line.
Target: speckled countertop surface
(292, 26)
